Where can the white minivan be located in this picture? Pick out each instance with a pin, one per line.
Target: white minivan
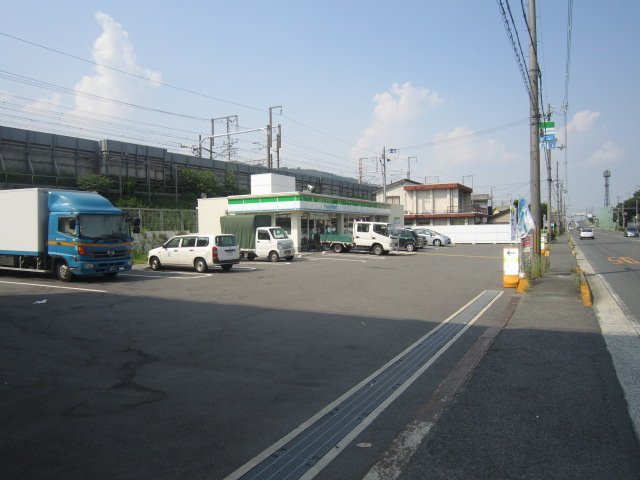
(199, 251)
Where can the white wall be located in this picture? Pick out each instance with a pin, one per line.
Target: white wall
(209, 212)
(272, 183)
(485, 233)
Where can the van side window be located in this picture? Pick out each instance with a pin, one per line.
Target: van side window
(189, 242)
(63, 225)
(202, 242)
(363, 227)
(262, 235)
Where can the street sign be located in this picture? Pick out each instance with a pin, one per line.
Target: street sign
(510, 267)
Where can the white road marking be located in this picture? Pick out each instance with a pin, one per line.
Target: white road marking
(338, 259)
(54, 286)
(402, 449)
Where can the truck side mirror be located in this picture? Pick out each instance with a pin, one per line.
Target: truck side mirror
(136, 225)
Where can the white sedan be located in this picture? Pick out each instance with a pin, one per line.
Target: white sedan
(587, 232)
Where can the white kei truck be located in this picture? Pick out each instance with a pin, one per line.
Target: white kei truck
(373, 237)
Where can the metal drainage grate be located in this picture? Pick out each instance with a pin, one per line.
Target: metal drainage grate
(302, 452)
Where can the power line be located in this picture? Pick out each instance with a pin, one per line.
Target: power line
(135, 75)
(468, 136)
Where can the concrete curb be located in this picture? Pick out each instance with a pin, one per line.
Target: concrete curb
(585, 289)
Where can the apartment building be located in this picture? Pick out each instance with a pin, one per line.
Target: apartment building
(440, 204)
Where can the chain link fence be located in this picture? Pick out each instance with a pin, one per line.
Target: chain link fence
(158, 225)
(161, 220)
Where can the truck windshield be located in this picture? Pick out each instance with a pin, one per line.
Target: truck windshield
(105, 227)
(278, 233)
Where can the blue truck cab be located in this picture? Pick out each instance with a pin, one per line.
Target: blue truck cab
(72, 233)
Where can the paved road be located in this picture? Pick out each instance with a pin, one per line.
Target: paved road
(617, 260)
(180, 375)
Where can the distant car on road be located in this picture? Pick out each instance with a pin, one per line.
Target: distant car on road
(432, 237)
(631, 232)
(198, 251)
(587, 232)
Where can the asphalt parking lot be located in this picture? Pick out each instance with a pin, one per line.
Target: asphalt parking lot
(175, 374)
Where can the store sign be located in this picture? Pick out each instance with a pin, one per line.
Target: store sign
(547, 135)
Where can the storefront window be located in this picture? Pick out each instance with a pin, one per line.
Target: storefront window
(284, 222)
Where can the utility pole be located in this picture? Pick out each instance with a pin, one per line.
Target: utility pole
(278, 145)
(270, 136)
(384, 175)
(228, 120)
(534, 128)
(409, 166)
(549, 183)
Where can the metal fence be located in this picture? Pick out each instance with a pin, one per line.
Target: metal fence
(164, 220)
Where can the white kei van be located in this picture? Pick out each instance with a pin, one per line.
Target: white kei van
(199, 251)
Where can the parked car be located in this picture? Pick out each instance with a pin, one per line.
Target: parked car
(432, 237)
(199, 251)
(631, 232)
(407, 239)
(587, 232)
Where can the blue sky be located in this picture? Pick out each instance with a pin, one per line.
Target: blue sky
(438, 81)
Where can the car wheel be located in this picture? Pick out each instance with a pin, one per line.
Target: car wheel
(437, 242)
(155, 264)
(274, 257)
(63, 272)
(377, 249)
(226, 267)
(200, 265)
(410, 247)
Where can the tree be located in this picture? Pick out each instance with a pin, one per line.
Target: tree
(95, 182)
(194, 183)
(230, 183)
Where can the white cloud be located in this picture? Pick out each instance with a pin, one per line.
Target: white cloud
(393, 114)
(113, 48)
(462, 146)
(608, 153)
(582, 121)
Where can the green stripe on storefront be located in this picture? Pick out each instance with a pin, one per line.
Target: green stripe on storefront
(307, 198)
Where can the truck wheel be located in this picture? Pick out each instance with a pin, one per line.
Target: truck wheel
(251, 256)
(200, 265)
(274, 257)
(226, 267)
(377, 249)
(410, 247)
(338, 247)
(63, 272)
(155, 264)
